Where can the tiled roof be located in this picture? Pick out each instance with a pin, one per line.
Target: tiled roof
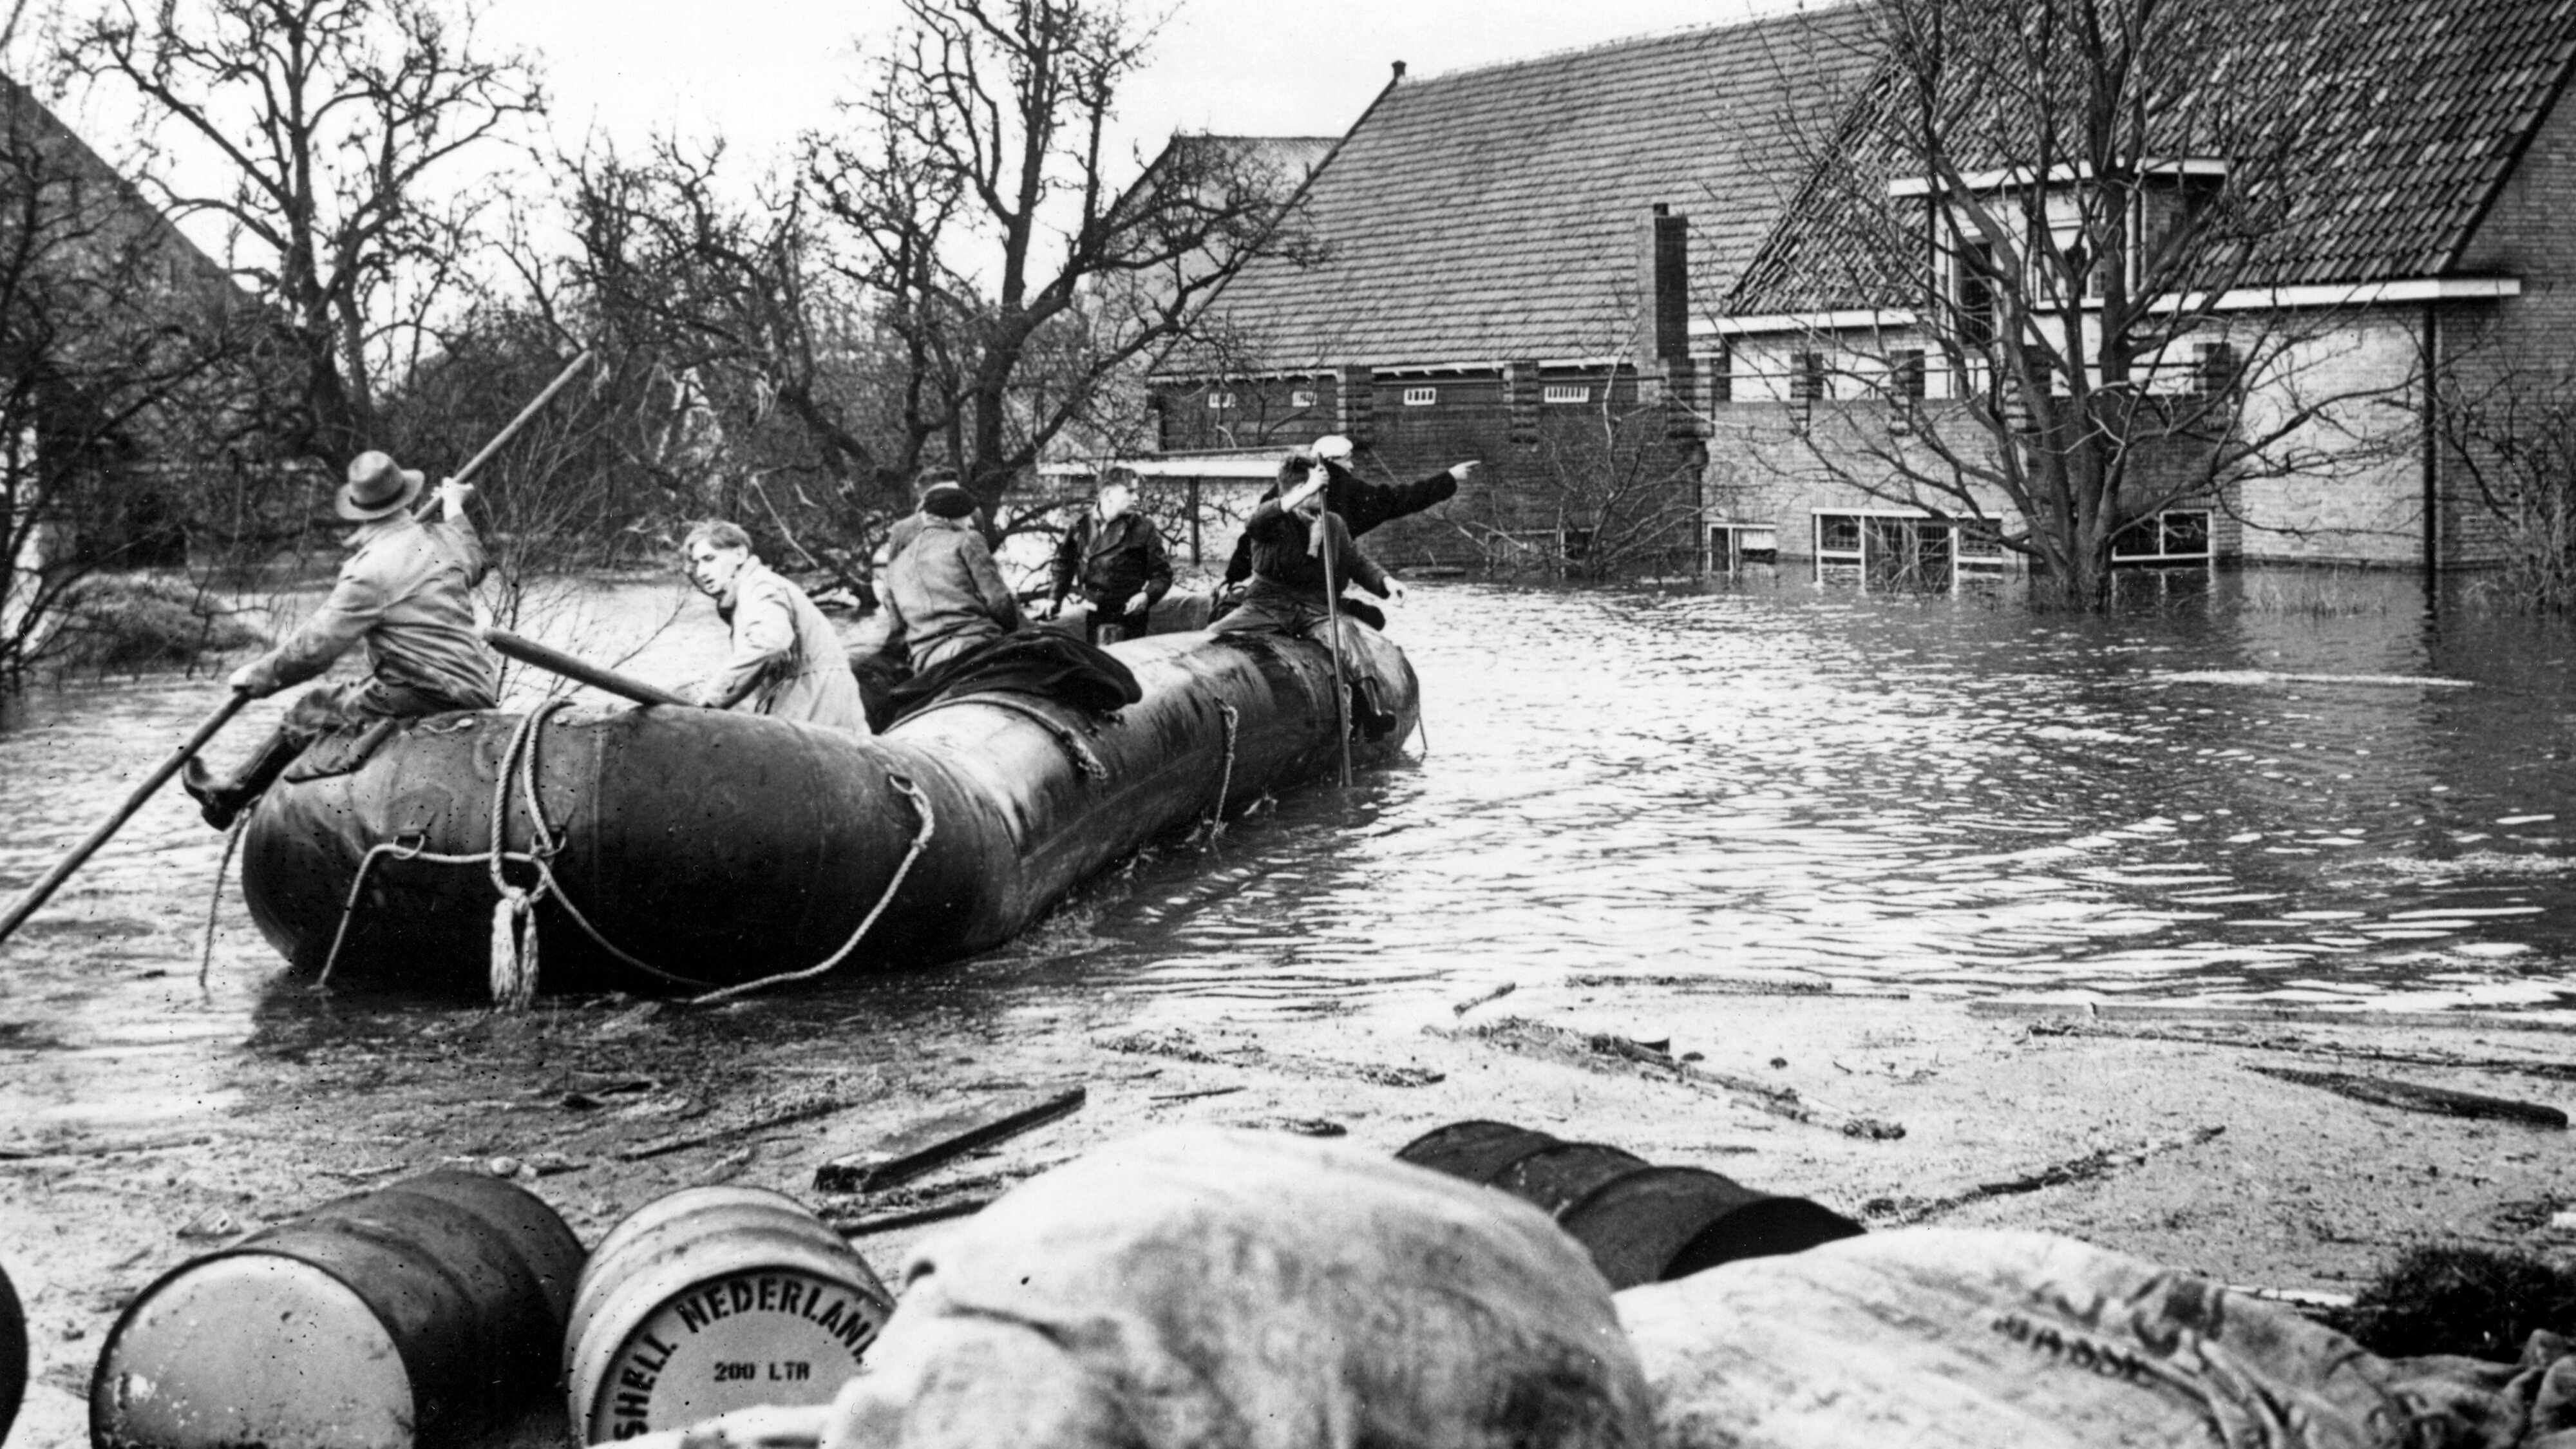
(2415, 113)
(58, 154)
(1494, 214)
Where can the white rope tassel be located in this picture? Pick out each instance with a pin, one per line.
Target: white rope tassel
(514, 949)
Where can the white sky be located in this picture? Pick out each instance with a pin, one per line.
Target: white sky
(760, 71)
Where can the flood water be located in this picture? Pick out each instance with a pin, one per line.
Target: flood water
(2265, 788)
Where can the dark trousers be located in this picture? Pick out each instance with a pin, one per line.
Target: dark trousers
(1129, 626)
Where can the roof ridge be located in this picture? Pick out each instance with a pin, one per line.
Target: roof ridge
(1793, 10)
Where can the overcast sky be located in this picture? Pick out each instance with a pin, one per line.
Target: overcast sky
(759, 71)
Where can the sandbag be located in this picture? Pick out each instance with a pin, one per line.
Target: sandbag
(1941, 1337)
(1198, 1286)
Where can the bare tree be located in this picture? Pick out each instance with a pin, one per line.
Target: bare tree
(978, 207)
(123, 367)
(2028, 254)
(781, 376)
(326, 120)
(2509, 430)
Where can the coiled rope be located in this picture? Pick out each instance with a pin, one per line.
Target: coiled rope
(513, 954)
(215, 902)
(513, 951)
(1225, 778)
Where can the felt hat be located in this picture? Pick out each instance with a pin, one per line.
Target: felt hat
(378, 487)
(947, 500)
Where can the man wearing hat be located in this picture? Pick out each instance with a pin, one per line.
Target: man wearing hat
(406, 595)
(1360, 506)
(942, 593)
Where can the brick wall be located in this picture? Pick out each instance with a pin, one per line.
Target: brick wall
(1548, 466)
(1777, 461)
(2523, 341)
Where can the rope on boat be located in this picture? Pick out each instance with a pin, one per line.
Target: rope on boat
(920, 840)
(513, 961)
(1225, 778)
(215, 902)
(1065, 735)
(514, 926)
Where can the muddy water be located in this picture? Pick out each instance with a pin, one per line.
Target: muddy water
(2266, 789)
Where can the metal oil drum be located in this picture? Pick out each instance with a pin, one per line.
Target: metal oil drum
(427, 1309)
(13, 1355)
(1641, 1223)
(714, 1299)
(1474, 1150)
(1661, 1223)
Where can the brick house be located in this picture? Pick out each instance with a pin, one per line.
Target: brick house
(110, 314)
(1513, 255)
(2420, 256)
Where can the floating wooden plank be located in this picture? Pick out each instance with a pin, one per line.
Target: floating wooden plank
(2416, 1097)
(918, 1149)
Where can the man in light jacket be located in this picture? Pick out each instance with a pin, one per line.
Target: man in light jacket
(787, 660)
(406, 594)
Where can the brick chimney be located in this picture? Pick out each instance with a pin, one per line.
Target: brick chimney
(1663, 289)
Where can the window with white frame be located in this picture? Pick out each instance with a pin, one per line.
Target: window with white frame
(1888, 548)
(2175, 536)
(1421, 397)
(1303, 397)
(1566, 392)
(1220, 402)
(1733, 545)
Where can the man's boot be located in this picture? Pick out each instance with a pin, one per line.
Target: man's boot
(221, 800)
(1367, 711)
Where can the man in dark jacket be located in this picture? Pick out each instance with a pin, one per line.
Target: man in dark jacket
(1361, 507)
(942, 594)
(1114, 556)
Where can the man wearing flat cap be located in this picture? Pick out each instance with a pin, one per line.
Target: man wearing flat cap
(942, 592)
(406, 595)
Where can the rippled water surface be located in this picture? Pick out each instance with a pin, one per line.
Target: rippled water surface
(2315, 791)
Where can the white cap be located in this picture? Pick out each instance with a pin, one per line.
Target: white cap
(1333, 446)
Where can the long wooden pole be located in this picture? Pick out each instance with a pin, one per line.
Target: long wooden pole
(1333, 633)
(562, 380)
(580, 671)
(43, 890)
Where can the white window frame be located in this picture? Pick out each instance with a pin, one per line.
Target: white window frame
(1421, 397)
(1304, 397)
(2163, 557)
(1220, 402)
(1730, 540)
(1566, 392)
(1965, 565)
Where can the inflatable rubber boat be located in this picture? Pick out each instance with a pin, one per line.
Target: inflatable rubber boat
(675, 850)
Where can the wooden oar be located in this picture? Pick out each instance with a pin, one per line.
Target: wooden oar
(579, 671)
(43, 890)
